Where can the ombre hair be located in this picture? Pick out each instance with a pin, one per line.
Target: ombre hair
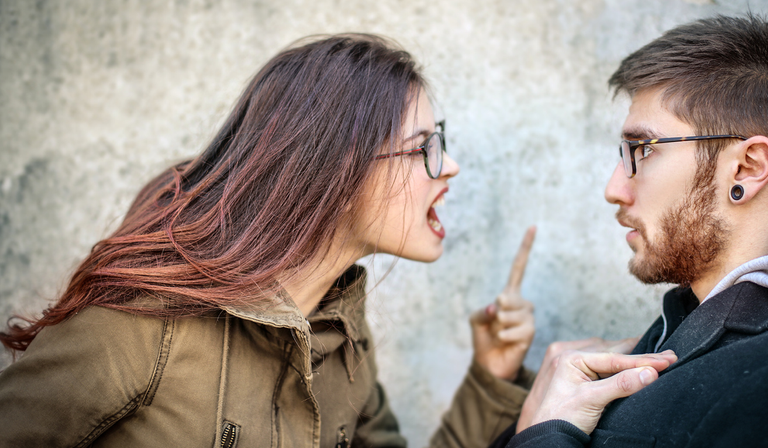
(282, 177)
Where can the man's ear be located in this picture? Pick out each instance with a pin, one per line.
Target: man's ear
(750, 168)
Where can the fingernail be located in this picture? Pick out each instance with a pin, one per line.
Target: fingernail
(669, 353)
(646, 377)
(490, 310)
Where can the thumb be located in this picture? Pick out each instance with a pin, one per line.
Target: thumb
(483, 316)
(623, 384)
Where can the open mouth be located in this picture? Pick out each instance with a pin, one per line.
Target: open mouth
(433, 220)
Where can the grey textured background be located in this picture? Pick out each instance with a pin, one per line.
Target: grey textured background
(97, 97)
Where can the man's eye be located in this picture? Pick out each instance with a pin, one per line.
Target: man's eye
(645, 151)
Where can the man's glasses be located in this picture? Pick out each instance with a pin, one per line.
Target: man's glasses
(628, 148)
(432, 149)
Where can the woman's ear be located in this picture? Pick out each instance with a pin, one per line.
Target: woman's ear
(750, 169)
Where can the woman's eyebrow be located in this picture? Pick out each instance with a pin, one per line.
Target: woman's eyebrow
(418, 133)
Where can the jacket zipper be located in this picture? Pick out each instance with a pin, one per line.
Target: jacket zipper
(228, 435)
(342, 441)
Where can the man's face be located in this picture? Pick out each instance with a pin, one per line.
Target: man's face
(669, 205)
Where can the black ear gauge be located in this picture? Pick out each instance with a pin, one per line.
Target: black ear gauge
(737, 192)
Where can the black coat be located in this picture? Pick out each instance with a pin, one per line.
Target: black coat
(715, 395)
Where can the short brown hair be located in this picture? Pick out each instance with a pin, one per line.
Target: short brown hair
(714, 76)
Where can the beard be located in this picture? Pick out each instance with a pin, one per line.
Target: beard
(691, 237)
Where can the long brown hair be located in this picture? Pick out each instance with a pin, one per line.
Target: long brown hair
(275, 185)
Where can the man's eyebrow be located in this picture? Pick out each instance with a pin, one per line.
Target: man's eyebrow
(641, 133)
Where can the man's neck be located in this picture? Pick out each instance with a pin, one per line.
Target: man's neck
(702, 287)
(706, 283)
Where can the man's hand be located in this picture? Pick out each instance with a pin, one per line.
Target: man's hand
(502, 332)
(547, 370)
(584, 383)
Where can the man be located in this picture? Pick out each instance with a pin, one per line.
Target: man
(691, 187)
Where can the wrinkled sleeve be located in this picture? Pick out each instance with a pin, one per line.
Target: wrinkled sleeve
(77, 378)
(482, 409)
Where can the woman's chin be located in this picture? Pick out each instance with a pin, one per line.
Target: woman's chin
(425, 256)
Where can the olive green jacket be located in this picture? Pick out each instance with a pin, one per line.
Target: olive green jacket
(244, 377)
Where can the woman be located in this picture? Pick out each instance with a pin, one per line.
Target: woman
(227, 310)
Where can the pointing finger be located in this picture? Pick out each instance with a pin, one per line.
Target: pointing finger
(521, 261)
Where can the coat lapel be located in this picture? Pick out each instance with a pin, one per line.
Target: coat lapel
(749, 314)
(742, 308)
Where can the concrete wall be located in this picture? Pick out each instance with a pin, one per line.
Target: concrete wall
(96, 97)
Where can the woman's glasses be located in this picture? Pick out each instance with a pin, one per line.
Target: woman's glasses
(432, 149)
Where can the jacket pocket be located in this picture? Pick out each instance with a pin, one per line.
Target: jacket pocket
(229, 435)
(608, 439)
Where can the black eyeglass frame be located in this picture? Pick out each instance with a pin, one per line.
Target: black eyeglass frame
(423, 149)
(629, 146)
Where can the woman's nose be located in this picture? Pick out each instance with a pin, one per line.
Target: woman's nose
(450, 166)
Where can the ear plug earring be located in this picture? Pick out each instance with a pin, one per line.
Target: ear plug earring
(737, 192)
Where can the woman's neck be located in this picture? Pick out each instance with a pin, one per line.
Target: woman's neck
(308, 286)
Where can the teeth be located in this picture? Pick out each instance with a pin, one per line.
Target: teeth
(440, 201)
(435, 224)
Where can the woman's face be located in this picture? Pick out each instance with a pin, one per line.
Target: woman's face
(399, 216)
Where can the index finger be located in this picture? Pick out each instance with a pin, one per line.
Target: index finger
(521, 260)
(599, 364)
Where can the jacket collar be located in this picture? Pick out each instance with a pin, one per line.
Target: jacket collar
(343, 303)
(279, 311)
(338, 321)
(742, 308)
(755, 271)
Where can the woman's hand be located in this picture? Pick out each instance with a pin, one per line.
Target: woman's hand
(584, 383)
(502, 332)
(547, 370)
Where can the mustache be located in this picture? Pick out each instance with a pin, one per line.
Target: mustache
(635, 223)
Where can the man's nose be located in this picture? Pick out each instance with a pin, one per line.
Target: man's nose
(619, 188)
